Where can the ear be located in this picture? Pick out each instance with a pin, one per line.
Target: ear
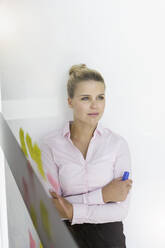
(70, 102)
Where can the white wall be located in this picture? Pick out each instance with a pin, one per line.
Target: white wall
(4, 237)
(124, 40)
(3, 209)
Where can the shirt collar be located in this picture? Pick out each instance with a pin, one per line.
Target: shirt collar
(66, 129)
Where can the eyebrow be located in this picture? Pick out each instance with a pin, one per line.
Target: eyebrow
(90, 95)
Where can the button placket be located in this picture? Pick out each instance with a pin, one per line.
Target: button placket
(88, 156)
(76, 149)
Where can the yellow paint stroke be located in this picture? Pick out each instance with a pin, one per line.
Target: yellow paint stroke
(35, 153)
(29, 144)
(22, 141)
(41, 246)
(38, 160)
(33, 216)
(45, 219)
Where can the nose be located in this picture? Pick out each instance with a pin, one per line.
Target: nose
(93, 104)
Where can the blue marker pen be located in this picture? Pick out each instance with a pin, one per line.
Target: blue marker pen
(125, 175)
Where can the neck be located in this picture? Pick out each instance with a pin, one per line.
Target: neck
(81, 131)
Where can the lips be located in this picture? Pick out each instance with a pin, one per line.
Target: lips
(93, 114)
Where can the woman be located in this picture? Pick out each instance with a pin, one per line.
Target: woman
(84, 163)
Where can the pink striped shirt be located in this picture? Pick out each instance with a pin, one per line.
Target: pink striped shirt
(80, 180)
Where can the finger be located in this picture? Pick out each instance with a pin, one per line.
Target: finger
(128, 189)
(54, 201)
(50, 191)
(53, 194)
(118, 178)
(129, 183)
(130, 180)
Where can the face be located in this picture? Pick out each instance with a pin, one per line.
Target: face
(88, 99)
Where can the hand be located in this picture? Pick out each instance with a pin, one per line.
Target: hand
(117, 190)
(63, 206)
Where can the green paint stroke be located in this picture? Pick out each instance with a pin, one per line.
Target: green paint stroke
(35, 153)
(45, 219)
(22, 141)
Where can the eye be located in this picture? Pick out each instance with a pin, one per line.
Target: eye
(101, 97)
(84, 98)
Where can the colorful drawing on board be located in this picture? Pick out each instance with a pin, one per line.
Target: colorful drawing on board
(41, 246)
(54, 184)
(35, 153)
(30, 169)
(25, 192)
(22, 141)
(32, 241)
(29, 145)
(45, 219)
(33, 216)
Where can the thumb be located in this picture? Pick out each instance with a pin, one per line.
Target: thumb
(118, 179)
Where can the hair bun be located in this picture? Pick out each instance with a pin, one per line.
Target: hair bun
(76, 68)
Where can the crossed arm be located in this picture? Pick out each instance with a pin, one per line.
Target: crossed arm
(98, 206)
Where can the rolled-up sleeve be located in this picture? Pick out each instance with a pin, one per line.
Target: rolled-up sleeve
(108, 212)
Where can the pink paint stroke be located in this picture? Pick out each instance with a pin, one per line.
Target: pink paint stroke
(54, 184)
(32, 241)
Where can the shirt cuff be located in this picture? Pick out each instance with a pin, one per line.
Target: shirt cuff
(64, 219)
(79, 213)
(93, 197)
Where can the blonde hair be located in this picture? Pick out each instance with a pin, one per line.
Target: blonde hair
(79, 73)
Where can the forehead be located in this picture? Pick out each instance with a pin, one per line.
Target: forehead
(89, 87)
